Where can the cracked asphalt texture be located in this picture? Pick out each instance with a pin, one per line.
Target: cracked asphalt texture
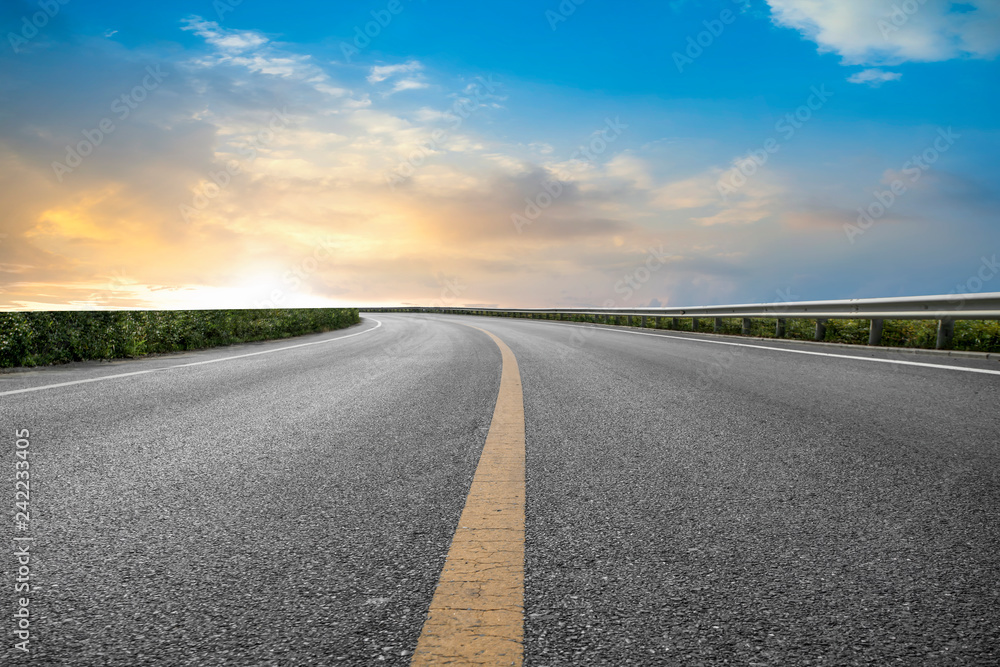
(687, 503)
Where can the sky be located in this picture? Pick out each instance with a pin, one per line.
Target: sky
(243, 153)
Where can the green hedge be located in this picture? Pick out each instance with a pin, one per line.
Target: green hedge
(52, 337)
(975, 335)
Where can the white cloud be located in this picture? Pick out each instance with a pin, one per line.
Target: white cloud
(231, 41)
(284, 66)
(383, 72)
(541, 147)
(630, 169)
(408, 84)
(428, 115)
(335, 91)
(256, 53)
(694, 192)
(895, 31)
(874, 77)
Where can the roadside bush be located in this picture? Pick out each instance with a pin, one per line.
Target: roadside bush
(51, 337)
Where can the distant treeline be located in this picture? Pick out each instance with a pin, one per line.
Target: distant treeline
(51, 337)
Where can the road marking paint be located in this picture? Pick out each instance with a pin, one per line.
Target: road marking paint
(193, 363)
(783, 349)
(477, 614)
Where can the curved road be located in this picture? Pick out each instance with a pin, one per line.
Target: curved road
(687, 502)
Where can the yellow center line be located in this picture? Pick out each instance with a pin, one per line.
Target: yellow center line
(477, 614)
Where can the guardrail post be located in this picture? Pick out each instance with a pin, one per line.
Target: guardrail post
(717, 325)
(820, 330)
(779, 328)
(642, 321)
(674, 323)
(875, 333)
(694, 324)
(746, 326)
(945, 332)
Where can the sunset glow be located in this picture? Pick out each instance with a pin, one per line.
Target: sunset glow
(510, 154)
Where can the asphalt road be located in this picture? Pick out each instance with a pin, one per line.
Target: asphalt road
(688, 503)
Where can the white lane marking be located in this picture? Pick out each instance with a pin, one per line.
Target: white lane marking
(193, 363)
(783, 349)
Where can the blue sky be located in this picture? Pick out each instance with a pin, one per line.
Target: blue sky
(437, 161)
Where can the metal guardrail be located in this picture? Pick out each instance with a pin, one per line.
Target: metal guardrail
(946, 309)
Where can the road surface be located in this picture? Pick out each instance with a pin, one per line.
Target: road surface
(685, 502)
